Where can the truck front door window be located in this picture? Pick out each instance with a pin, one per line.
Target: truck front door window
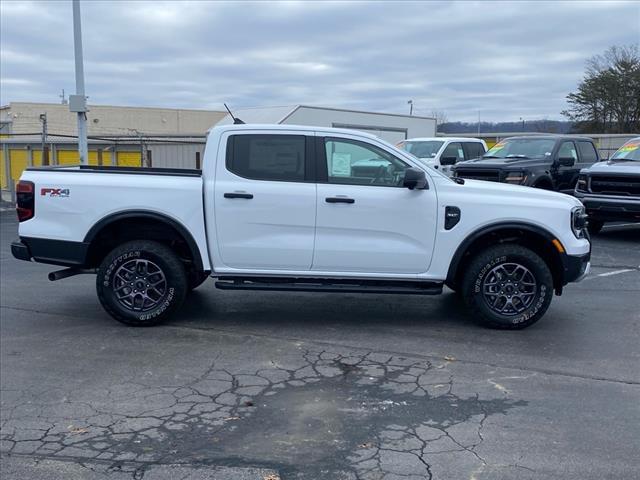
(568, 150)
(355, 163)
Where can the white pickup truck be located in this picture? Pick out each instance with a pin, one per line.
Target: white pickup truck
(304, 209)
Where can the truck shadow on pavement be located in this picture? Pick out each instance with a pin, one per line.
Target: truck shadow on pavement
(214, 308)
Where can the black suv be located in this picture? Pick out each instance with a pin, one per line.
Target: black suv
(550, 162)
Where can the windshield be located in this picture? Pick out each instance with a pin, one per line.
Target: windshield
(425, 149)
(521, 148)
(630, 151)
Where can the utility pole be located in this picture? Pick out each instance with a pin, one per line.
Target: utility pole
(143, 157)
(478, 122)
(78, 102)
(45, 147)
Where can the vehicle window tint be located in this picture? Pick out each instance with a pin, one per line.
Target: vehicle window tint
(423, 149)
(568, 150)
(473, 150)
(453, 150)
(522, 148)
(267, 157)
(588, 152)
(629, 151)
(357, 163)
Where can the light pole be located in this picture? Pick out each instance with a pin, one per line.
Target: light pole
(410, 103)
(78, 102)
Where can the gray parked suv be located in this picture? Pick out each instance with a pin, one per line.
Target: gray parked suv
(610, 191)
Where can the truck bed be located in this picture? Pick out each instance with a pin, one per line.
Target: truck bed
(71, 200)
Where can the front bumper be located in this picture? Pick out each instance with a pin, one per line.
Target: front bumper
(575, 267)
(609, 208)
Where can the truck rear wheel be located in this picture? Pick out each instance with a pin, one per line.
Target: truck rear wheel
(141, 283)
(508, 287)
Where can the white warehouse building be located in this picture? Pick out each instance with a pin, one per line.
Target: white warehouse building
(389, 126)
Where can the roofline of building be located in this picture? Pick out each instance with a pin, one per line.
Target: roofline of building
(297, 107)
(118, 106)
(335, 109)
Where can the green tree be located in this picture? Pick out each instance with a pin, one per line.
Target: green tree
(608, 98)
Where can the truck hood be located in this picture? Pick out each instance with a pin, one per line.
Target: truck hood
(520, 193)
(502, 163)
(630, 167)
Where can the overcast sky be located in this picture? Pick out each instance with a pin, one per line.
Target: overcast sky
(506, 59)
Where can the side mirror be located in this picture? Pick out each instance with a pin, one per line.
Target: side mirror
(566, 161)
(448, 161)
(415, 178)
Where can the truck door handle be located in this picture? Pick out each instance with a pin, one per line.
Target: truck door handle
(248, 196)
(339, 200)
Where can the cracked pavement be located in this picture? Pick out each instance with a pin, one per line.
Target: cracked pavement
(303, 386)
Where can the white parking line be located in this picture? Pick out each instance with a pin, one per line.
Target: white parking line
(615, 272)
(609, 274)
(619, 225)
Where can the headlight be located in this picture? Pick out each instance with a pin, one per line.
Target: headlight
(578, 221)
(516, 178)
(581, 186)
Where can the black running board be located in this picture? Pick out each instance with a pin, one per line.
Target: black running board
(301, 284)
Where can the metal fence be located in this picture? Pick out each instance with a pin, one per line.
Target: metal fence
(20, 151)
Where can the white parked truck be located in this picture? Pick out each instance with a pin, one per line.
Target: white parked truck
(443, 152)
(280, 207)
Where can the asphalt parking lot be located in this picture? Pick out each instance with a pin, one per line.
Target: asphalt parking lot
(262, 385)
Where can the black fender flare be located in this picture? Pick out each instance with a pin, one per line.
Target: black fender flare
(494, 227)
(181, 229)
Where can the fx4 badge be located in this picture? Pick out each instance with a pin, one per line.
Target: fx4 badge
(54, 192)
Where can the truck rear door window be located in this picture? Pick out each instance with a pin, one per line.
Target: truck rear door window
(473, 150)
(588, 152)
(267, 157)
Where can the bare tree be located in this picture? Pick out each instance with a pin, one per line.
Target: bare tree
(440, 116)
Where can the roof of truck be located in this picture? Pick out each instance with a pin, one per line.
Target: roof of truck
(306, 128)
(548, 137)
(444, 139)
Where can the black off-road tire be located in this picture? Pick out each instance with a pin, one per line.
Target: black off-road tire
(151, 262)
(595, 226)
(196, 278)
(486, 266)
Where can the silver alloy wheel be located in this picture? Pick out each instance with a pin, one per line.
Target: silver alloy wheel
(139, 285)
(509, 289)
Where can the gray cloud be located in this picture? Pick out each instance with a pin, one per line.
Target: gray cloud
(506, 59)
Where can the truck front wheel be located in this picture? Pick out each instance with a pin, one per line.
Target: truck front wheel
(141, 283)
(508, 286)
